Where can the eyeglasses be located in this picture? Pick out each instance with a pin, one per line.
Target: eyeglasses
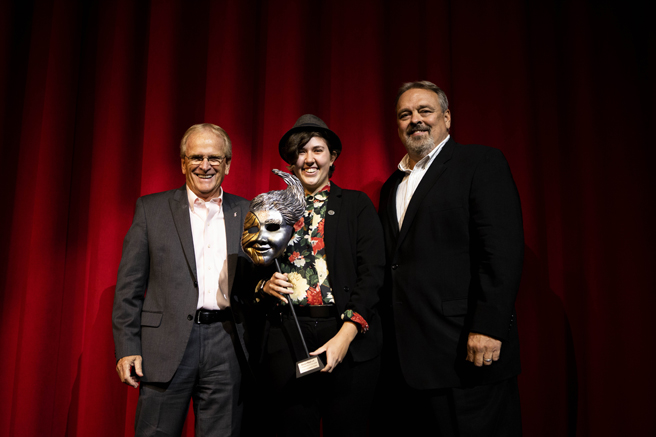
(198, 159)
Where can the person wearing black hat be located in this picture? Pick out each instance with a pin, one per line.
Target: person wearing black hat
(333, 270)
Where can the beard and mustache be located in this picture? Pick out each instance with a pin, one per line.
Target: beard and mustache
(418, 146)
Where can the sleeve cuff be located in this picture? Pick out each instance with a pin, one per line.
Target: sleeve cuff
(352, 316)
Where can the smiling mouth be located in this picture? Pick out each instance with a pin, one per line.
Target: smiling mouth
(311, 170)
(261, 247)
(205, 176)
(418, 130)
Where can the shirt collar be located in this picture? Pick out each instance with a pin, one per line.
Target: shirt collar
(321, 195)
(424, 162)
(195, 200)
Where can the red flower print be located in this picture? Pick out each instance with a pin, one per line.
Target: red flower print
(299, 224)
(314, 296)
(294, 256)
(317, 245)
(320, 227)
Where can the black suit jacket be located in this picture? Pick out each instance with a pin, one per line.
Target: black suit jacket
(157, 288)
(355, 254)
(454, 267)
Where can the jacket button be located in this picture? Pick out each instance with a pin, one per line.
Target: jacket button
(395, 266)
(346, 289)
(195, 283)
(190, 317)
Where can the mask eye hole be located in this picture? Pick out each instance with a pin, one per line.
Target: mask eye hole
(272, 227)
(253, 230)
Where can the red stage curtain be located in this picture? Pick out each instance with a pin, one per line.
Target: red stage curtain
(95, 96)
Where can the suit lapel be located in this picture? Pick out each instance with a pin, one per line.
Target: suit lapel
(435, 171)
(391, 203)
(333, 209)
(179, 205)
(233, 224)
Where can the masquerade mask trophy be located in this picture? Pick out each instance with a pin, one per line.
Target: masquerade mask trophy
(268, 227)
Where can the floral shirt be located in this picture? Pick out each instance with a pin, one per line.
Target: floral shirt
(304, 260)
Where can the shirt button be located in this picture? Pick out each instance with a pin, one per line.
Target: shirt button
(395, 266)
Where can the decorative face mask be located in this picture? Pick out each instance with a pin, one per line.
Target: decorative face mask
(265, 236)
(270, 222)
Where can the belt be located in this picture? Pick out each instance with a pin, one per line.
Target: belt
(204, 317)
(314, 311)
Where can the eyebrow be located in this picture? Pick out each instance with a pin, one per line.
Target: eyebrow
(419, 108)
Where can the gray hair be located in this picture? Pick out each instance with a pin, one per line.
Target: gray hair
(216, 130)
(424, 85)
(290, 203)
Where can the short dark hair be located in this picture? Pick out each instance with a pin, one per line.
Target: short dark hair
(424, 85)
(298, 140)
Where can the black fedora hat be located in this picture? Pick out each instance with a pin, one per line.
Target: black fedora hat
(310, 123)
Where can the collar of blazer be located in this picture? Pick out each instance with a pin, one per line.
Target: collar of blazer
(179, 205)
(234, 227)
(435, 171)
(333, 209)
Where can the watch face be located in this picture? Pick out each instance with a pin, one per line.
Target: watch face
(265, 236)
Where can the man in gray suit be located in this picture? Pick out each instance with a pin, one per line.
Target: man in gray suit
(177, 322)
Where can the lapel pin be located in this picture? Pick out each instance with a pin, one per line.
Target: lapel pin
(331, 212)
(235, 215)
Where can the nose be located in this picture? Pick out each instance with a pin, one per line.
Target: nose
(309, 157)
(205, 165)
(416, 118)
(261, 240)
(262, 235)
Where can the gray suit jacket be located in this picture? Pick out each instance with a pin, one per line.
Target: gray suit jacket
(157, 288)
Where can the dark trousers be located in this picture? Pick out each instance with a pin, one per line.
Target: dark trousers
(490, 410)
(210, 375)
(341, 399)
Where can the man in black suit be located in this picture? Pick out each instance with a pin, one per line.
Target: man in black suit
(177, 323)
(454, 247)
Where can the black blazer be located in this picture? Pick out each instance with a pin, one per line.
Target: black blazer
(454, 267)
(355, 254)
(157, 290)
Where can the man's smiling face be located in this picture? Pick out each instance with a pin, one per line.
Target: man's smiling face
(422, 124)
(203, 179)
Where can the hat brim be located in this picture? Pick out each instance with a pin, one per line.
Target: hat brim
(331, 136)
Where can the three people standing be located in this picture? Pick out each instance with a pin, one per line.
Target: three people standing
(445, 257)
